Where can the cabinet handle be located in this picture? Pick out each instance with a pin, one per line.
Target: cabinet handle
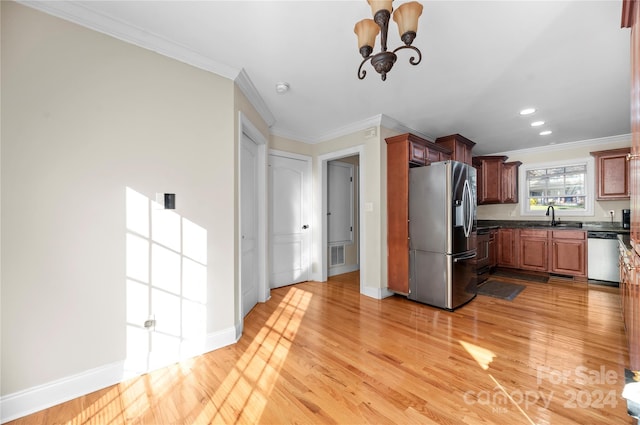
(631, 156)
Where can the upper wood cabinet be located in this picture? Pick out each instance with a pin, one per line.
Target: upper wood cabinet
(510, 172)
(459, 146)
(420, 151)
(489, 178)
(612, 174)
(497, 180)
(403, 151)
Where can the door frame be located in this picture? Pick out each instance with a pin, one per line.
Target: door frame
(321, 249)
(245, 126)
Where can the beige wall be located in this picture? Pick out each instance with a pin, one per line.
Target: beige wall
(288, 145)
(370, 253)
(558, 153)
(84, 116)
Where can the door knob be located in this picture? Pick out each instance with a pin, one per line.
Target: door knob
(306, 226)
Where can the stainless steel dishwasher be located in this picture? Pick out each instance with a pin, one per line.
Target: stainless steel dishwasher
(603, 256)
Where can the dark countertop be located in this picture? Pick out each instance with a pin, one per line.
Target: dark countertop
(591, 226)
(625, 242)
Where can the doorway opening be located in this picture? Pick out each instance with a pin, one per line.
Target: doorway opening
(354, 239)
(342, 215)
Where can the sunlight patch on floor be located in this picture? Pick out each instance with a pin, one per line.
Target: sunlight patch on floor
(257, 371)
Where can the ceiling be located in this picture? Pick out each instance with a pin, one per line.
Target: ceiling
(482, 62)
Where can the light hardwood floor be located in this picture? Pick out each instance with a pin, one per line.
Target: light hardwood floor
(322, 353)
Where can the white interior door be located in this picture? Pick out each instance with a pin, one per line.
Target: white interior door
(249, 224)
(289, 220)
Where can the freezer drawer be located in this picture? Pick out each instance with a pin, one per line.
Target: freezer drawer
(442, 280)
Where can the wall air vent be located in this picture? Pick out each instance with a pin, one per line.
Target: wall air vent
(336, 255)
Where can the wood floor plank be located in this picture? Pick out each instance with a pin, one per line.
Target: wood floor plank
(323, 353)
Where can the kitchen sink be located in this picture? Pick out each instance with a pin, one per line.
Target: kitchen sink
(573, 225)
(557, 225)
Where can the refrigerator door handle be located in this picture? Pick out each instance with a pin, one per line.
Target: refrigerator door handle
(465, 257)
(466, 199)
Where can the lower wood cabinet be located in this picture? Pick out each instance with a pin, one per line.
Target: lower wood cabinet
(554, 251)
(507, 248)
(493, 248)
(534, 250)
(569, 253)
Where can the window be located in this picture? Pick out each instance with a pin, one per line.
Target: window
(566, 185)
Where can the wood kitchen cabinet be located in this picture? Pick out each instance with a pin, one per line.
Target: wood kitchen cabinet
(421, 151)
(493, 248)
(569, 252)
(497, 179)
(612, 174)
(459, 146)
(508, 247)
(510, 172)
(403, 152)
(534, 250)
(489, 178)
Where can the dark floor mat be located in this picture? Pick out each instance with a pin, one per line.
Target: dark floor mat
(497, 289)
(522, 276)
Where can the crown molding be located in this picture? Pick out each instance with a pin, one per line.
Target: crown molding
(379, 120)
(395, 125)
(569, 145)
(83, 15)
(246, 86)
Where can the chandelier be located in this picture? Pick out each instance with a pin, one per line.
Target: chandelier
(406, 17)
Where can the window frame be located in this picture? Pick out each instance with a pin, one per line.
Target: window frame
(589, 187)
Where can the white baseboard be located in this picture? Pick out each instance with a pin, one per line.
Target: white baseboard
(40, 397)
(34, 399)
(335, 270)
(377, 293)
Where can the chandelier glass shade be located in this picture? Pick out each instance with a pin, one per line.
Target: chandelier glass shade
(367, 30)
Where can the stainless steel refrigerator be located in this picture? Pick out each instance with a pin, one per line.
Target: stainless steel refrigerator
(442, 226)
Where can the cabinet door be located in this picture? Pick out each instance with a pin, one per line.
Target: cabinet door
(398, 151)
(510, 182)
(612, 174)
(493, 248)
(432, 155)
(479, 185)
(569, 257)
(533, 253)
(491, 182)
(417, 153)
(507, 253)
(459, 146)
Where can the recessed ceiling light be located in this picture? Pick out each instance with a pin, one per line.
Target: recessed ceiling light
(545, 133)
(537, 123)
(282, 87)
(527, 111)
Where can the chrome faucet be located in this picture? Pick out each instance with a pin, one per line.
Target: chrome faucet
(553, 214)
